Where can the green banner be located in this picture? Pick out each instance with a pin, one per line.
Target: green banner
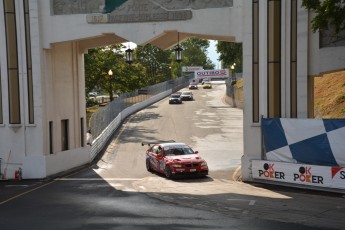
(111, 5)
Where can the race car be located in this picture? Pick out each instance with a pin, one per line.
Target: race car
(207, 85)
(174, 160)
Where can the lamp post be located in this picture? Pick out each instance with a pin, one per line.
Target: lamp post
(233, 76)
(178, 53)
(110, 73)
(178, 50)
(233, 82)
(129, 56)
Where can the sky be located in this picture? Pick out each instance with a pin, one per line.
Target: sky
(213, 55)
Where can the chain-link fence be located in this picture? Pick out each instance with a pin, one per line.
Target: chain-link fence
(104, 116)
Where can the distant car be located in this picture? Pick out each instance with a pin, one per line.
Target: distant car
(187, 96)
(175, 98)
(207, 85)
(174, 159)
(205, 80)
(193, 84)
(93, 94)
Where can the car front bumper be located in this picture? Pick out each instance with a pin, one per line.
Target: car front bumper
(187, 98)
(175, 102)
(184, 172)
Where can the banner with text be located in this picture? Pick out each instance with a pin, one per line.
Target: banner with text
(210, 74)
(310, 175)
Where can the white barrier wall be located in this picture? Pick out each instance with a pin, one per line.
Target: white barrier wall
(99, 143)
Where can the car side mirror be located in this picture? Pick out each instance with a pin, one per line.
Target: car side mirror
(196, 152)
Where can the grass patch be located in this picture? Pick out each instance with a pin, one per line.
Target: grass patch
(329, 95)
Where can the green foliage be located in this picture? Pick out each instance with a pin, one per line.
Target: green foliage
(155, 61)
(125, 78)
(90, 102)
(195, 53)
(330, 14)
(230, 53)
(151, 66)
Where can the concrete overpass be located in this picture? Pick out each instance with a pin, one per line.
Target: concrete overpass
(42, 109)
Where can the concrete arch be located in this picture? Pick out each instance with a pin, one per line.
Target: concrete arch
(51, 37)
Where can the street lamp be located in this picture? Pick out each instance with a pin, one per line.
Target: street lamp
(232, 67)
(233, 82)
(110, 73)
(178, 53)
(178, 50)
(129, 56)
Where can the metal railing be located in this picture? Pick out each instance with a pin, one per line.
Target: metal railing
(104, 116)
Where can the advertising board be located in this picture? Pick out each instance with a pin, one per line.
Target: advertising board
(212, 74)
(303, 174)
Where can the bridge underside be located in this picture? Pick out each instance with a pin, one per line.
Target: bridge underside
(166, 40)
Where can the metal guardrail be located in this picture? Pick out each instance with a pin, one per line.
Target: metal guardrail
(104, 116)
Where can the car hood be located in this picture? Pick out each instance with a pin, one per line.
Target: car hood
(185, 158)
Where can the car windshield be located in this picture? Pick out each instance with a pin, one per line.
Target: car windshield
(178, 150)
(175, 96)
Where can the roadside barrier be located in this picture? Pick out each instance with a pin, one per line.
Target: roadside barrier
(107, 120)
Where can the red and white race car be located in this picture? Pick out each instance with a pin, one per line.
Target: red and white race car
(174, 159)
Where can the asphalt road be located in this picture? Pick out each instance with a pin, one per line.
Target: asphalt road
(116, 192)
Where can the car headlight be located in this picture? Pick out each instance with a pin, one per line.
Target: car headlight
(204, 163)
(176, 166)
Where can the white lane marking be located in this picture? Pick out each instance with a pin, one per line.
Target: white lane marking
(116, 184)
(17, 185)
(142, 187)
(129, 190)
(245, 212)
(98, 179)
(251, 202)
(187, 198)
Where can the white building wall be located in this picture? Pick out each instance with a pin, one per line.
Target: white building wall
(302, 61)
(252, 131)
(19, 141)
(249, 149)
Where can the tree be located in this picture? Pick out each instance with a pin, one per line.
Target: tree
(92, 70)
(230, 53)
(152, 65)
(330, 14)
(99, 61)
(156, 63)
(194, 54)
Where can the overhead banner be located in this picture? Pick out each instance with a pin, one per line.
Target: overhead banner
(302, 174)
(307, 141)
(214, 73)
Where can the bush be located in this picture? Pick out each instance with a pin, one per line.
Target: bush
(91, 102)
